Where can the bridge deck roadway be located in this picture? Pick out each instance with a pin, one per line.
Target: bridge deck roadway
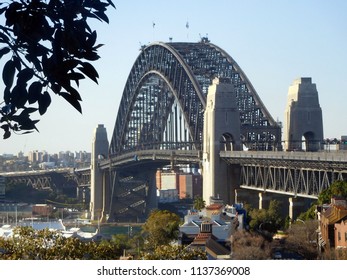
(167, 156)
(317, 160)
(36, 172)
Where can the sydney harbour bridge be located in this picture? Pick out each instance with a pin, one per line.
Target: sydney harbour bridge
(161, 121)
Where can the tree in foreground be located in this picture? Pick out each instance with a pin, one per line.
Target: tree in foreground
(29, 244)
(160, 228)
(250, 246)
(174, 252)
(302, 237)
(338, 188)
(266, 219)
(47, 48)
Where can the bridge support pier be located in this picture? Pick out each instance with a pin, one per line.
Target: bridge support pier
(297, 205)
(82, 194)
(221, 132)
(245, 196)
(264, 200)
(97, 176)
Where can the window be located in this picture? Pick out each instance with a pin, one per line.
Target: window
(339, 235)
(346, 236)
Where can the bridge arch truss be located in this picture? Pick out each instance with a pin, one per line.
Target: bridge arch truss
(164, 99)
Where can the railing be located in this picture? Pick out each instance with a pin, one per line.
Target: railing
(333, 156)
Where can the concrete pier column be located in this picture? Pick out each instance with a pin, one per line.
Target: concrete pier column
(221, 132)
(264, 200)
(97, 178)
(246, 197)
(296, 207)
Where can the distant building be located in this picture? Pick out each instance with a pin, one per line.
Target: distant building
(42, 210)
(178, 184)
(47, 165)
(343, 143)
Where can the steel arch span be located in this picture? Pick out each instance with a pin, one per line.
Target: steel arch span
(165, 96)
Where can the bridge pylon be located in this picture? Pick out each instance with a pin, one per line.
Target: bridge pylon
(98, 181)
(303, 117)
(221, 132)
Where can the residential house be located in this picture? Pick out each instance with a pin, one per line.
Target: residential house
(211, 229)
(333, 224)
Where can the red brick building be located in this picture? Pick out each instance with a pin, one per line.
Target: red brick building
(341, 234)
(333, 224)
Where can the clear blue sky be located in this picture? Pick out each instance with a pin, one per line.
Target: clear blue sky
(274, 42)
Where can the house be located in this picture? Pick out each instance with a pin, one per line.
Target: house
(206, 241)
(211, 228)
(340, 231)
(333, 224)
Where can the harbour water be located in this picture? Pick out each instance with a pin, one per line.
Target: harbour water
(111, 229)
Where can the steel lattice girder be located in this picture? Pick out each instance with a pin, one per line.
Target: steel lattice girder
(165, 73)
(298, 181)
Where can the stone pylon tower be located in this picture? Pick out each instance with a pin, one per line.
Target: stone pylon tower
(303, 117)
(221, 132)
(97, 178)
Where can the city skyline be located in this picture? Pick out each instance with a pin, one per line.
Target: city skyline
(273, 42)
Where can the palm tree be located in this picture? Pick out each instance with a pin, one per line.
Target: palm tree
(199, 203)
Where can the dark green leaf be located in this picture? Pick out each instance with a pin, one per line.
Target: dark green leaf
(19, 96)
(28, 125)
(24, 75)
(35, 61)
(29, 110)
(56, 88)
(72, 100)
(17, 63)
(8, 73)
(12, 13)
(4, 38)
(34, 92)
(27, 132)
(98, 46)
(7, 134)
(73, 92)
(75, 76)
(102, 16)
(7, 95)
(90, 55)
(4, 51)
(2, 10)
(69, 64)
(111, 3)
(89, 71)
(5, 127)
(92, 39)
(44, 102)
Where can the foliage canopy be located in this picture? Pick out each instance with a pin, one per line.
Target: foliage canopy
(174, 252)
(29, 244)
(161, 228)
(266, 219)
(199, 203)
(48, 46)
(338, 188)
